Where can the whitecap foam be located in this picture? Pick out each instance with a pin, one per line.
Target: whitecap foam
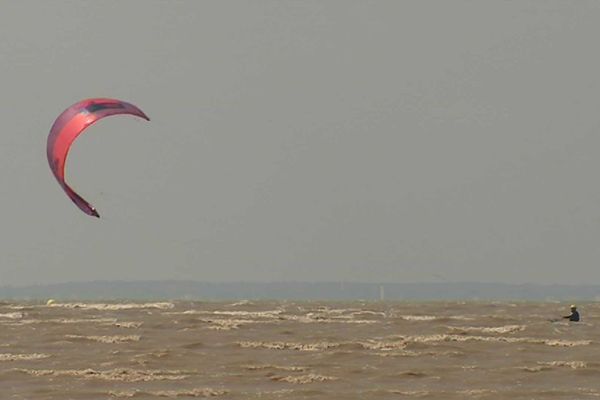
(275, 367)
(303, 379)
(22, 357)
(568, 364)
(226, 324)
(476, 392)
(115, 307)
(125, 324)
(249, 314)
(316, 318)
(121, 375)
(417, 317)
(481, 329)
(289, 345)
(241, 303)
(383, 345)
(12, 315)
(368, 312)
(107, 339)
(426, 318)
(501, 339)
(197, 392)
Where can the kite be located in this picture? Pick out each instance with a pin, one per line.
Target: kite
(72, 122)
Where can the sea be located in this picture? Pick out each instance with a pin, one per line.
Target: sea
(298, 350)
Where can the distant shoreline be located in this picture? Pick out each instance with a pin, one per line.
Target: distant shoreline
(190, 290)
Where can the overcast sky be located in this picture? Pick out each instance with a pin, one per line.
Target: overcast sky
(305, 140)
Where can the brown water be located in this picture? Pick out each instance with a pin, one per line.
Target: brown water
(298, 350)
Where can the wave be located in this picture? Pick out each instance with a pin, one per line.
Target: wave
(241, 303)
(569, 364)
(227, 324)
(293, 368)
(411, 353)
(145, 358)
(333, 311)
(476, 392)
(500, 339)
(575, 392)
(427, 318)
(369, 312)
(417, 317)
(289, 345)
(313, 320)
(497, 329)
(549, 365)
(402, 342)
(247, 314)
(270, 317)
(303, 379)
(12, 315)
(107, 339)
(22, 357)
(128, 325)
(383, 345)
(66, 321)
(412, 374)
(121, 375)
(197, 392)
(399, 345)
(114, 307)
(408, 393)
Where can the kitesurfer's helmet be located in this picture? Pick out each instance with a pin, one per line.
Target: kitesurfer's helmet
(573, 307)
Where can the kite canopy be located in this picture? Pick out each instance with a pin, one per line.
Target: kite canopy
(72, 122)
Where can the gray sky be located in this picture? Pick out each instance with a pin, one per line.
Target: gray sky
(305, 140)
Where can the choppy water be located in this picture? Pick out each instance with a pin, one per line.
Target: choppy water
(303, 350)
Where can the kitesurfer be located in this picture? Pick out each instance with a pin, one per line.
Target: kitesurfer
(574, 316)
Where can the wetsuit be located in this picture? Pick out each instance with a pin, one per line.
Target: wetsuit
(574, 316)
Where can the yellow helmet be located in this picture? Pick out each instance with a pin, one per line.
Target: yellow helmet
(573, 306)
